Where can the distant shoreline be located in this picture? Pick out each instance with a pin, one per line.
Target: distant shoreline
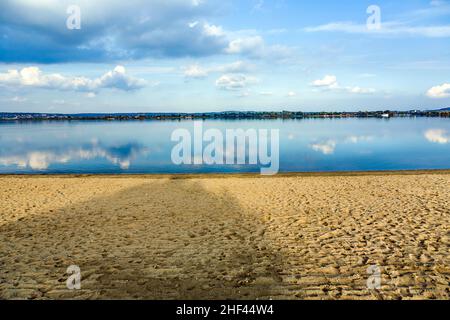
(231, 115)
(187, 176)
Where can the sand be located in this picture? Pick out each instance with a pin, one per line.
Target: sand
(236, 237)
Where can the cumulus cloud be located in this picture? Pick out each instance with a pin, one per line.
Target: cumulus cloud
(442, 91)
(34, 77)
(113, 30)
(329, 82)
(233, 82)
(36, 31)
(437, 136)
(326, 147)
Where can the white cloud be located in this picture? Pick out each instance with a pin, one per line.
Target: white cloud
(234, 82)
(193, 24)
(387, 28)
(437, 136)
(407, 24)
(255, 47)
(359, 90)
(292, 94)
(154, 28)
(327, 81)
(327, 147)
(249, 45)
(197, 71)
(34, 77)
(213, 31)
(442, 91)
(330, 82)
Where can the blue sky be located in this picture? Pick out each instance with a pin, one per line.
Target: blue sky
(210, 55)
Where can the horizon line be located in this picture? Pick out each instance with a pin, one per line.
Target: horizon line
(220, 112)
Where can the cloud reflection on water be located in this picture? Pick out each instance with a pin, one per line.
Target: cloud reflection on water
(437, 136)
(41, 160)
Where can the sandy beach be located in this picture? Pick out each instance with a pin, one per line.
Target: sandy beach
(226, 237)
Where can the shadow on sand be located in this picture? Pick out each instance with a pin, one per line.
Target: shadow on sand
(169, 239)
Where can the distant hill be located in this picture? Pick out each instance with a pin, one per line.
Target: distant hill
(445, 109)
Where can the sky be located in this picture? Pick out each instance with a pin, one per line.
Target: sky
(78, 56)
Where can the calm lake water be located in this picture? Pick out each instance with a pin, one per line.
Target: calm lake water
(145, 147)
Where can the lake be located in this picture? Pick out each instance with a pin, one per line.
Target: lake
(145, 147)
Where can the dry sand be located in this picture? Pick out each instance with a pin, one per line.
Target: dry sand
(288, 237)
